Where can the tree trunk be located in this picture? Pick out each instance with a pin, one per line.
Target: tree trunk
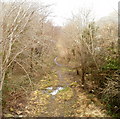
(31, 61)
(77, 72)
(12, 67)
(83, 76)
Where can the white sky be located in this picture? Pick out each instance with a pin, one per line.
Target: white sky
(62, 9)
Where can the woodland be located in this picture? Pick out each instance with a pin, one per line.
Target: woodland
(58, 71)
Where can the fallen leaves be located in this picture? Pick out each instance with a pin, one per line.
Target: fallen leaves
(65, 94)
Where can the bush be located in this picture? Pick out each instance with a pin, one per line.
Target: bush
(111, 95)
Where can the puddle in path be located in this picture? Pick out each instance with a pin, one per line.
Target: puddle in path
(52, 90)
(49, 88)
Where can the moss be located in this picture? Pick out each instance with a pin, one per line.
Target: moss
(74, 84)
(65, 94)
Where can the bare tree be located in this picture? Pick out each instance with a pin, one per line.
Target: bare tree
(20, 26)
(81, 31)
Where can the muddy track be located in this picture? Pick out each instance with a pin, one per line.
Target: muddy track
(56, 108)
(56, 97)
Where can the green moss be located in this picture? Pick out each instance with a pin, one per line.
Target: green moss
(111, 64)
(74, 84)
(65, 94)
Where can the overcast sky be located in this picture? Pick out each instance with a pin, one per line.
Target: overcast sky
(62, 9)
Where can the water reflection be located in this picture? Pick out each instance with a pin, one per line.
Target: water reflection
(52, 90)
(49, 88)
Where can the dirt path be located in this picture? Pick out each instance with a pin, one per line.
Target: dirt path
(57, 95)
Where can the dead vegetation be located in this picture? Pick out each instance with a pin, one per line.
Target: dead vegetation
(81, 57)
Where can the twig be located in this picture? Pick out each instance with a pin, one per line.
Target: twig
(25, 72)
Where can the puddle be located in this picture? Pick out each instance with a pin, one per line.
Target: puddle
(52, 90)
(49, 88)
(56, 90)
